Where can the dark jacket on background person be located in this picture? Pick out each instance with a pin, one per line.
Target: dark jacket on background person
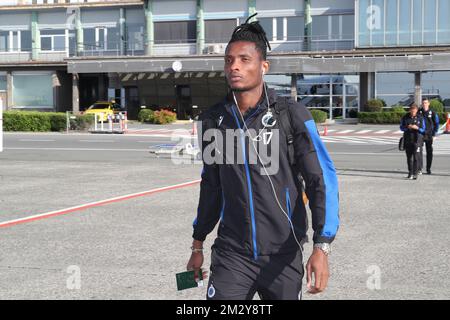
(241, 197)
(431, 123)
(411, 136)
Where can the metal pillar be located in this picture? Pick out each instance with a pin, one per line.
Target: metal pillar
(122, 32)
(294, 87)
(308, 26)
(75, 93)
(9, 90)
(251, 8)
(149, 27)
(35, 36)
(418, 88)
(200, 27)
(79, 32)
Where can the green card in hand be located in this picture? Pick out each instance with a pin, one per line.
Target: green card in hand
(186, 280)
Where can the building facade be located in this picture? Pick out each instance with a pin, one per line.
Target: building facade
(58, 55)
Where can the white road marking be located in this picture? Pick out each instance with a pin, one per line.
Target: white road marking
(96, 140)
(345, 131)
(382, 131)
(80, 149)
(94, 204)
(36, 140)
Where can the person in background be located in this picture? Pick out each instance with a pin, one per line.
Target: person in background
(413, 126)
(432, 126)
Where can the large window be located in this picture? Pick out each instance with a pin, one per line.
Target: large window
(32, 90)
(53, 40)
(436, 85)
(101, 39)
(175, 32)
(338, 94)
(12, 41)
(295, 28)
(403, 22)
(332, 32)
(395, 88)
(219, 31)
(443, 27)
(283, 28)
(267, 24)
(2, 82)
(320, 28)
(341, 92)
(135, 37)
(4, 41)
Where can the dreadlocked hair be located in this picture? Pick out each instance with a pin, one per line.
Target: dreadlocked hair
(252, 32)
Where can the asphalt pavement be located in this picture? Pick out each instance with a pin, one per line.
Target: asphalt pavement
(391, 243)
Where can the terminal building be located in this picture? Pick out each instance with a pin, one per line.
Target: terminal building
(64, 55)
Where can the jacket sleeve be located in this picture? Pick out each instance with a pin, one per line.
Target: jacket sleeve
(319, 174)
(436, 124)
(403, 125)
(210, 201)
(422, 125)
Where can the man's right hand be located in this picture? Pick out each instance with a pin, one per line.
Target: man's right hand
(196, 261)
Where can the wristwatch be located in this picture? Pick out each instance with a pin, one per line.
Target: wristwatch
(325, 247)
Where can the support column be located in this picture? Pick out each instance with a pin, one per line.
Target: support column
(149, 27)
(294, 87)
(367, 88)
(75, 93)
(122, 32)
(79, 32)
(308, 26)
(418, 88)
(251, 9)
(9, 90)
(35, 36)
(200, 28)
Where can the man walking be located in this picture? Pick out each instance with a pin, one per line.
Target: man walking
(413, 126)
(263, 220)
(432, 126)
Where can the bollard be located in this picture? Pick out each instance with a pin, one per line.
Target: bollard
(447, 126)
(110, 123)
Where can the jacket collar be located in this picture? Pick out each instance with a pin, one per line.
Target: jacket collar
(271, 93)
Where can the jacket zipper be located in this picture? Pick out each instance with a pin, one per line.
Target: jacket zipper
(249, 185)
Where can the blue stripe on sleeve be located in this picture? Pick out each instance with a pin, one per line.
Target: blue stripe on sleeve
(436, 120)
(424, 126)
(331, 183)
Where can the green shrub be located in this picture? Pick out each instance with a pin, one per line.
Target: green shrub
(146, 115)
(374, 105)
(436, 105)
(398, 108)
(26, 121)
(319, 116)
(164, 117)
(82, 122)
(37, 121)
(58, 121)
(380, 117)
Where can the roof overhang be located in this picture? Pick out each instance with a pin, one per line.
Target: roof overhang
(280, 63)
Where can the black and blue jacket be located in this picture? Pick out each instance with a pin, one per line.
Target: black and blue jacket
(431, 122)
(412, 136)
(241, 198)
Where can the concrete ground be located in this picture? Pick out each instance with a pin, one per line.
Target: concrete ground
(391, 244)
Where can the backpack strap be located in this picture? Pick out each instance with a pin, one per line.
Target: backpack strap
(284, 118)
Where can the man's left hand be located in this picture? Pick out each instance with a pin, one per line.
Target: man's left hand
(317, 265)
